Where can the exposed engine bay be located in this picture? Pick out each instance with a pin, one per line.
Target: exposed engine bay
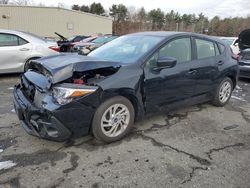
(74, 69)
(92, 77)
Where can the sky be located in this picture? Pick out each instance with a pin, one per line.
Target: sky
(211, 8)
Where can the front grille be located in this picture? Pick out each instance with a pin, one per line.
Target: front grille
(28, 88)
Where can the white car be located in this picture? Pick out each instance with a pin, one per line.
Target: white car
(233, 42)
(18, 48)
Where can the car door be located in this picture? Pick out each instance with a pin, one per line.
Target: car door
(13, 52)
(171, 84)
(206, 64)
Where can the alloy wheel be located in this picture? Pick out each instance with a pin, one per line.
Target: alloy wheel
(225, 92)
(115, 120)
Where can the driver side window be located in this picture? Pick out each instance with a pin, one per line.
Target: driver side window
(179, 49)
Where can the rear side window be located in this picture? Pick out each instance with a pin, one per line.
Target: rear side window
(11, 40)
(178, 48)
(217, 51)
(21, 41)
(205, 48)
(8, 40)
(222, 48)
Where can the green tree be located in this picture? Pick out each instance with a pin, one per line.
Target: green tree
(177, 17)
(214, 25)
(202, 23)
(201, 16)
(96, 8)
(157, 18)
(119, 12)
(170, 16)
(5, 2)
(187, 19)
(170, 20)
(75, 7)
(85, 8)
(142, 15)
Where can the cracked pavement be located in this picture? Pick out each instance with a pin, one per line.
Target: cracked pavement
(197, 146)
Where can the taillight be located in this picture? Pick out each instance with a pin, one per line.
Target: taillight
(236, 57)
(55, 48)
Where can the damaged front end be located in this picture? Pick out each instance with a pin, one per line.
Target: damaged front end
(58, 96)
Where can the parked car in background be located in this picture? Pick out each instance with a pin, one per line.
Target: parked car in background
(105, 92)
(18, 48)
(244, 57)
(77, 45)
(233, 42)
(99, 41)
(66, 44)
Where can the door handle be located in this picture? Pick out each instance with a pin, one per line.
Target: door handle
(192, 71)
(24, 49)
(220, 62)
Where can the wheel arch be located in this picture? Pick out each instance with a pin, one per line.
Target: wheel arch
(128, 94)
(233, 76)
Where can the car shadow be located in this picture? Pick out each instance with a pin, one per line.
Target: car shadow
(10, 75)
(247, 80)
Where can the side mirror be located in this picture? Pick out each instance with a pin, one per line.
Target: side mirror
(165, 63)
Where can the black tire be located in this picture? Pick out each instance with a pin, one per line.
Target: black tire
(26, 66)
(216, 101)
(96, 123)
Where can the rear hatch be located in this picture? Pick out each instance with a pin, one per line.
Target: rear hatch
(244, 45)
(244, 39)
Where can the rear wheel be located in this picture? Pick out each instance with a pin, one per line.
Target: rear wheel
(223, 92)
(113, 119)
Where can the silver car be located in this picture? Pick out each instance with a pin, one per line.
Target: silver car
(18, 48)
(233, 42)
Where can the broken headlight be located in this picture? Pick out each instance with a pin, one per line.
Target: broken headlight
(64, 95)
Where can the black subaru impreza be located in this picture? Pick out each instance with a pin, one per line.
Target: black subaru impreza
(66, 96)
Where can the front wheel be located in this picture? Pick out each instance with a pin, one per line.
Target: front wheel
(223, 92)
(113, 119)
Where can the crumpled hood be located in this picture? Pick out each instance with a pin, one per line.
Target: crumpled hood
(61, 67)
(244, 39)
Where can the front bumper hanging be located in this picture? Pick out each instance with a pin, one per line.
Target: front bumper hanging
(37, 121)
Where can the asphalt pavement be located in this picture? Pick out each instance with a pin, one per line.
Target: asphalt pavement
(196, 146)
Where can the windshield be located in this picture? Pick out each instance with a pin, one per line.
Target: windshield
(100, 40)
(71, 38)
(126, 49)
(89, 39)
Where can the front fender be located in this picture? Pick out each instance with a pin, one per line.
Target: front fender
(134, 96)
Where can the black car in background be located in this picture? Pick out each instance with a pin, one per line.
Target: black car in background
(105, 92)
(65, 44)
(244, 57)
